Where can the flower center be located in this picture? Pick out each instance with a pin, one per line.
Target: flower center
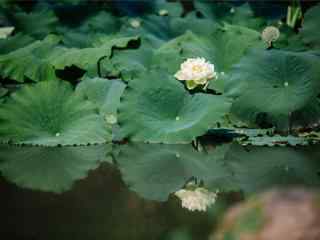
(197, 68)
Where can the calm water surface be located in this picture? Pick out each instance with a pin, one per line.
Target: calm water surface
(112, 192)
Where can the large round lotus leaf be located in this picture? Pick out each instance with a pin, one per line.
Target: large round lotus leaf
(53, 169)
(275, 84)
(157, 108)
(260, 168)
(310, 29)
(156, 170)
(50, 114)
(30, 61)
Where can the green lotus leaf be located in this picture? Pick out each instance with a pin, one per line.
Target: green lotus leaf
(157, 108)
(157, 30)
(273, 85)
(310, 28)
(128, 63)
(3, 91)
(50, 114)
(75, 38)
(199, 26)
(52, 169)
(101, 24)
(156, 170)
(215, 10)
(259, 168)
(231, 43)
(174, 9)
(15, 42)
(154, 30)
(223, 48)
(244, 16)
(289, 40)
(174, 52)
(308, 117)
(30, 61)
(105, 94)
(87, 58)
(36, 23)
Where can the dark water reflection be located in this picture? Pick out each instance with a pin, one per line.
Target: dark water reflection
(103, 205)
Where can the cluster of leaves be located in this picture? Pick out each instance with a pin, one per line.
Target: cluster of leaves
(107, 77)
(135, 58)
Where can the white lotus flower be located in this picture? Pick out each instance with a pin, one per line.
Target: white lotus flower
(197, 70)
(196, 200)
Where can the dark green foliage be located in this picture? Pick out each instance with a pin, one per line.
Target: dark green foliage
(50, 114)
(310, 28)
(122, 88)
(275, 83)
(157, 108)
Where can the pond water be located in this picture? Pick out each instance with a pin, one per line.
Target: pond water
(92, 81)
(114, 192)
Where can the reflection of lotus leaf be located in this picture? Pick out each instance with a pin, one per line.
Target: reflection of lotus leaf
(156, 170)
(156, 108)
(258, 168)
(51, 169)
(50, 114)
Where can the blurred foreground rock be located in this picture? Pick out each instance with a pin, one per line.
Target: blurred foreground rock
(276, 215)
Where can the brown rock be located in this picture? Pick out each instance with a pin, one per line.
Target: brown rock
(276, 215)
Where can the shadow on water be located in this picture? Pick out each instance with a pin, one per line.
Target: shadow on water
(124, 192)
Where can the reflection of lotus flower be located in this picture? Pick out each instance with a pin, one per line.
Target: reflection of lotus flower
(196, 71)
(199, 199)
